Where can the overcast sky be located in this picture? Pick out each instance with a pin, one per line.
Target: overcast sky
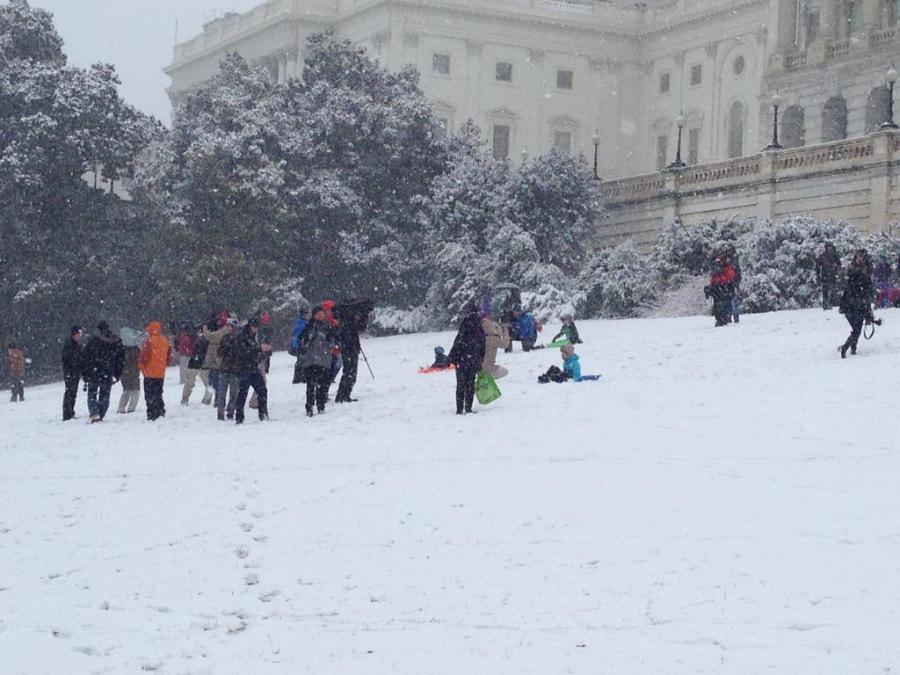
(134, 35)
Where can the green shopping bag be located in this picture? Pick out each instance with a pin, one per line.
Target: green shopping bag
(486, 389)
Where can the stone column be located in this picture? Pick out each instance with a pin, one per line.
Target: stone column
(282, 69)
(829, 11)
(829, 17)
(871, 17)
(787, 25)
(880, 180)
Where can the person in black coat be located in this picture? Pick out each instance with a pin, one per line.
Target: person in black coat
(248, 355)
(828, 266)
(72, 363)
(104, 358)
(353, 316)
(856, 302)
(467, 355)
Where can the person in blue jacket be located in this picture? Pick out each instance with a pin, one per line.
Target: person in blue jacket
(524, 329)
(571, 364)
(298, 330)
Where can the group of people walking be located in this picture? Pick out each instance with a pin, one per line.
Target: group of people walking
(104, 361)
(228, 357)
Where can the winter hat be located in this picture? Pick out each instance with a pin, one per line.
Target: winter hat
(439, 350)
(231, 321)
(266, 318)
(253, 321)
(567, 350)
(317, 309)
(75, 329)
(328, 305)
(103, 327)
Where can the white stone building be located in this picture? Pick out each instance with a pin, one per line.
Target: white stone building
(542, 73)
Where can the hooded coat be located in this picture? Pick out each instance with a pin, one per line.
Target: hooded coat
(104, 358)
(156, 354)
(468, 349)
(317, 345)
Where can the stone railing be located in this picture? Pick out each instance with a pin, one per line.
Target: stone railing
(857, 179)
(838, 49)
(882, 38)
(795, 61)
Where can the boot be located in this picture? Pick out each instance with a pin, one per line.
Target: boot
(207, 399)
(843, 349)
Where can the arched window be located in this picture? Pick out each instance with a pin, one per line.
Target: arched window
(834, 119)
(877, 108)
(793, 123)
(736, 130)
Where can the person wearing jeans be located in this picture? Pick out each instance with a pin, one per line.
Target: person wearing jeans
(249, 354)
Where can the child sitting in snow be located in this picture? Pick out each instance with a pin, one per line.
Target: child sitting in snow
(571, 369)
(441, 360)
(569, 331)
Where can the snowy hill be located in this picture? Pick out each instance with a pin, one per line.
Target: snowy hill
(723, 501)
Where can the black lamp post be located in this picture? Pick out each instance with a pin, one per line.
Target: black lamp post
(678, 164)
(891, 79)
(776, 104)
(596, 140)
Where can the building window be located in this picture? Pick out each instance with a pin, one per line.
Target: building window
(834, 119)
(812, 27)
(736, 130)
(565, 79)
(693, 146)
(696, 75)
(877, 108)
(793, 127)
(662, 146)
(894, 13)
(854, 16)
(739, 65)
(501, 141)
(440, 64)
(665, 82)
(504, 72)
(562, 141)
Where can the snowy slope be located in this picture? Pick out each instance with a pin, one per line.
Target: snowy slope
(723, 501)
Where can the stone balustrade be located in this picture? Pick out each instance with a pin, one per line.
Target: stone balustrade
(857, 179)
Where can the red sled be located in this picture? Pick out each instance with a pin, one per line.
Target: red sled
(427, 371)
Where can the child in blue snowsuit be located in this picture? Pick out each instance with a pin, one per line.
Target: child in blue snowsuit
(571, 369)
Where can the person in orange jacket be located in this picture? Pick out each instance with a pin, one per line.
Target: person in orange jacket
(156, 356)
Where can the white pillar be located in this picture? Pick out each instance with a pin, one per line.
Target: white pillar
(787, 25)
(829, 11)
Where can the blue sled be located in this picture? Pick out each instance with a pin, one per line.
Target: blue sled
(590, 378)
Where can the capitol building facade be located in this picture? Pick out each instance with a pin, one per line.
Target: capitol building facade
(630, 77)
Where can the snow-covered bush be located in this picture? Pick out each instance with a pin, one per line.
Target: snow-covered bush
(617, 282)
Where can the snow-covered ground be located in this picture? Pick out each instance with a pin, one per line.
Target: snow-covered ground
(723, 501)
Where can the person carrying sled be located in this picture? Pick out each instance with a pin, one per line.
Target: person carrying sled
(314, 358)
(249, 354)
(720, 289)
(73, 364)
(156, 355)
(856, 302)
(828, 267)
(569, 331)
(467, 354)
(104, 358)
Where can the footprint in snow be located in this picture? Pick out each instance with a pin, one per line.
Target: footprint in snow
(268, 596)
(240, 507)
(251, 579)
(247, 527)
(242, 552)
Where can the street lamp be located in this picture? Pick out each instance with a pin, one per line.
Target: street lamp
(596, 140)
(678, 164)
(776, 104)
(524, 155)
(892, 79)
